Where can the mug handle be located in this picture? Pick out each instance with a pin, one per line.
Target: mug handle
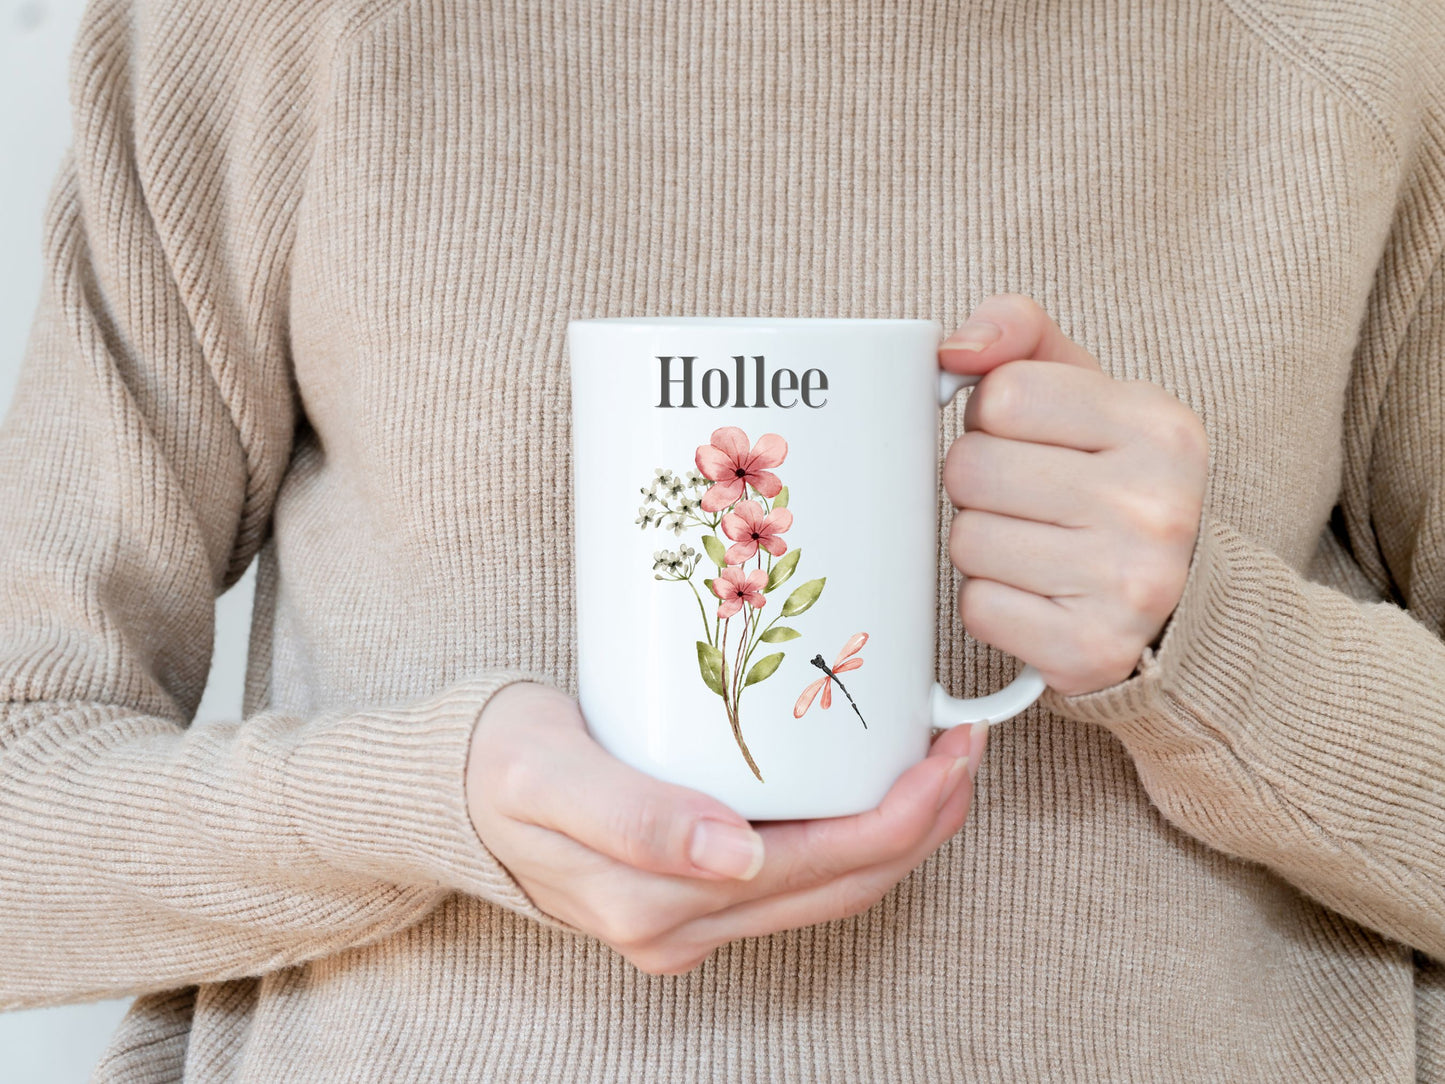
(948, 711)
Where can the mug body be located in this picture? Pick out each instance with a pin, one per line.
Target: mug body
(756, 534)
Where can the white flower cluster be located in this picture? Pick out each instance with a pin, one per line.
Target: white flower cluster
(671, 500)
(675, 564)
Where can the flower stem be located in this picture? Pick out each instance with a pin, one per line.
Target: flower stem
(737, 671)
(723, 669)
(748, 756)
(731, 704)
(759, 637)
(702, 610)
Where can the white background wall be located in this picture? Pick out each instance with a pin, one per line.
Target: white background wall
(59, 1046)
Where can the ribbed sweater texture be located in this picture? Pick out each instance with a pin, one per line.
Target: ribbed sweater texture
(308, 269)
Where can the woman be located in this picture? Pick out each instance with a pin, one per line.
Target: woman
(309, 270)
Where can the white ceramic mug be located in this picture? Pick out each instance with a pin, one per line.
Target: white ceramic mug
(756, 540)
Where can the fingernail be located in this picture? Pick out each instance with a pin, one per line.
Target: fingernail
(974, 335)
(726, 849)
(977, 742)
(952, 780)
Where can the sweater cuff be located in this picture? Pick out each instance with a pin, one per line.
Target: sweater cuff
(381, 794)
(1214, 626)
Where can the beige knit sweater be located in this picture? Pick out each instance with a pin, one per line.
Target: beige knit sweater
(309, 267)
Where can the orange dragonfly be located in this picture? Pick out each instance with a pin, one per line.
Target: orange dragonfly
(842, 664)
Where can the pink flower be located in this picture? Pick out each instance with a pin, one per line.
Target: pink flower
(734, 587)
(749, 528)
(729, 462)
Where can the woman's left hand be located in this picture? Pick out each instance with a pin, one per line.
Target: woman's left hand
(1078, 498)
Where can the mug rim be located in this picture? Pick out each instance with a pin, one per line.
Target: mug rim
(755, 321)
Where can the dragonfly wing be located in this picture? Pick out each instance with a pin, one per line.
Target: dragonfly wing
(844, 667)
(852, 647)
(805, 701)
(827, 701)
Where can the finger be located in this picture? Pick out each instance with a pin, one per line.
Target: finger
(848, 894)
(806, 853)
(800, 854)
(1020, 623)
(610, 899)
(957, 741)
(1019, 478)
(652, 927)
(1075, 646)
(1045, 403)
(1036, 557)
(1008, 327)
(578, 789)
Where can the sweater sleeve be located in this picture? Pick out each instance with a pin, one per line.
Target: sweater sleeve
(138, 464)
(1287, 723)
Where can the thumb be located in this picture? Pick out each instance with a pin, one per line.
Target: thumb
(627, 815)
(1010, 327)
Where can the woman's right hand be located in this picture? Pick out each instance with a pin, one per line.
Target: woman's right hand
(665, 874)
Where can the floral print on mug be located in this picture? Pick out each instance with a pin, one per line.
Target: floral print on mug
(733, 495)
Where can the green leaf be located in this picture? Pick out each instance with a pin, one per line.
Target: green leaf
(783, 569)
(714, 547)
(804, 597)
(781, 500)
(763, 669)
(710, 663)
(708, 584)
(779, 634)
